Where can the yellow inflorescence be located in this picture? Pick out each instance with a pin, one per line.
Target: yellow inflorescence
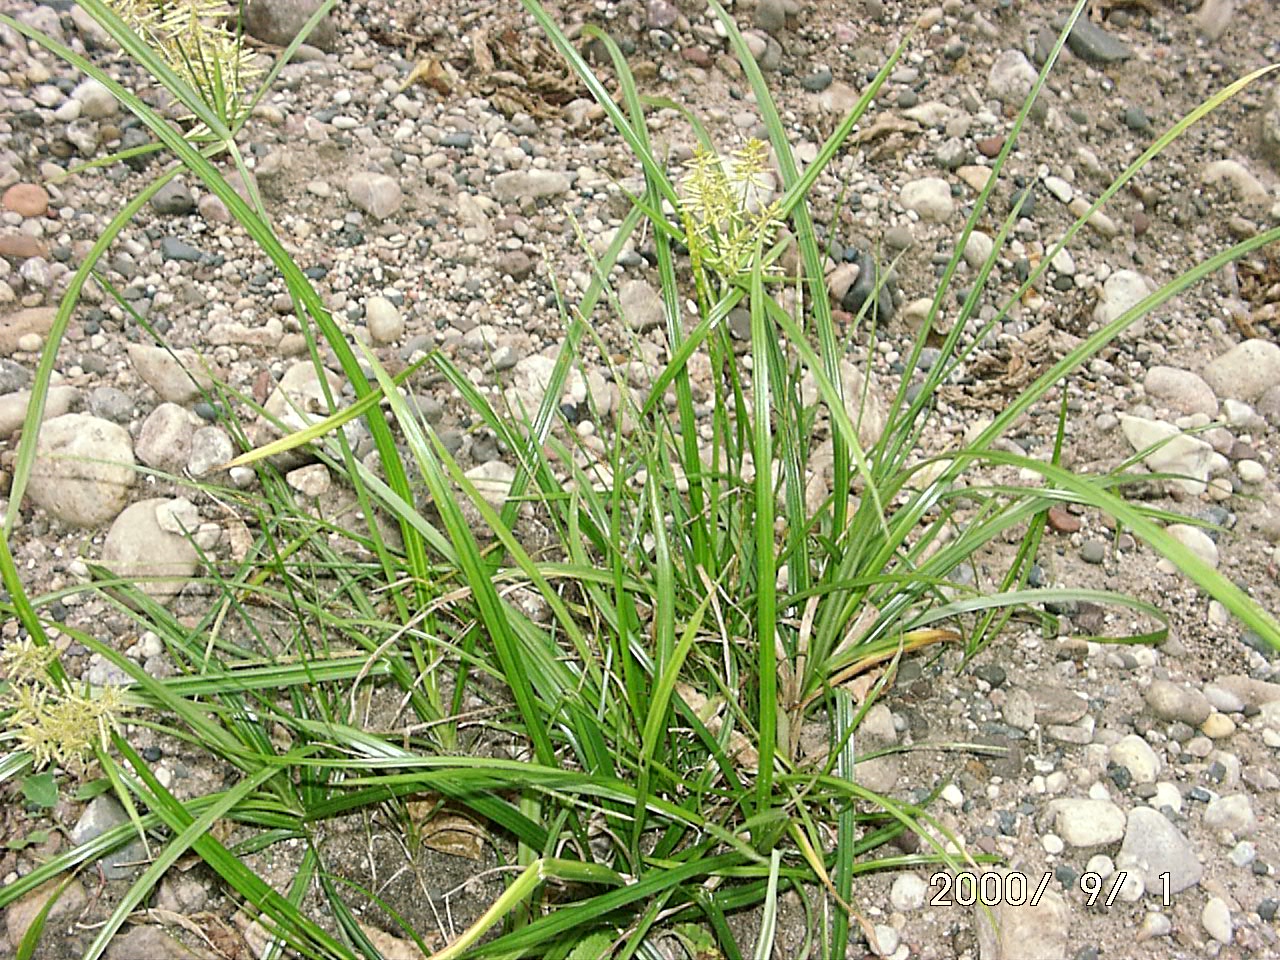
(192, 38)
(53, 724)
(725, 218)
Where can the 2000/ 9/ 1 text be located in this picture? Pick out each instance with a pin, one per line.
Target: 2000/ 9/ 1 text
(966, 888)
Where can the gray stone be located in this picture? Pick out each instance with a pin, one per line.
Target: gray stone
(770, 16)
(375, 193)
(1250, 692)
(102, 814)
(1008, 932)
(83, 469)
(877, 774)
(1213, 17)
(164, 442)
(1087, 822)
(1152, 845)
(312, 480)
(1011, 78)
(1180, 390)
(13, 376)
(1135, 755)
(930, 198)
(13, 407)
(531, 184)
(171, 248)
(178, 376)
(1233, 814)
(111, 404)
(1056, 704)
(1171, 702)
(1090, 42)
(96, 101)
(1246, 371)
(279, 21)
(23, 912)
(642, 306)
(139, 548)
(173, 199)
(151, 943)
(210, 447)
(660, 14)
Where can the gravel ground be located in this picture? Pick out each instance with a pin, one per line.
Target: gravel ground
(432, 214)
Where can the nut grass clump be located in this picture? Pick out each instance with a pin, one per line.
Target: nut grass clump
(192, 37)
(56, 725)
(724, 217)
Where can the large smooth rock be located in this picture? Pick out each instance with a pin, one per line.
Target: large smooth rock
(1021, 932)
(83, 469)
(1120, 291)
(530, 184)
(164, 442)
(298, 400)
(375, 193)
(930, 198)
(1087, 822)
(1246, 371)
(1011, 78)
(15, 326)
(1152, 845)
(102, 814)
(13, 407)
(1189, 458)
(1180, 390)
(178, 377)
(139, 547)
(279, 21)
(642, 307)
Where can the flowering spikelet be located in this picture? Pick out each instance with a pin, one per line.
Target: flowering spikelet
(191, 37)
(725, 213)
(53, 724)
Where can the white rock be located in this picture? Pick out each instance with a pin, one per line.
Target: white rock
(375, 193)
(1087, 823)
(1245, 371)
(383, 320)
(1243, 184)
(930, 197)
(96, 101)
(1233, 814)
(1216, 919)
(1189, 457)
(139, 548)
(1120, 291)
(1135, 755)
(532, 184)
(1251, 471)
(1011, 77)
(1195, 540)
(178, 376)
(908, 893)
(492, 481)
(13, 407)
(978, 249)
(83, 469)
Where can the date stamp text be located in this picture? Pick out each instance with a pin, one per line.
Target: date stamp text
(1016, 889)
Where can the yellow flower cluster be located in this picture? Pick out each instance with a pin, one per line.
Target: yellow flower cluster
(55, 725)
(192, 37)
(726, 218)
